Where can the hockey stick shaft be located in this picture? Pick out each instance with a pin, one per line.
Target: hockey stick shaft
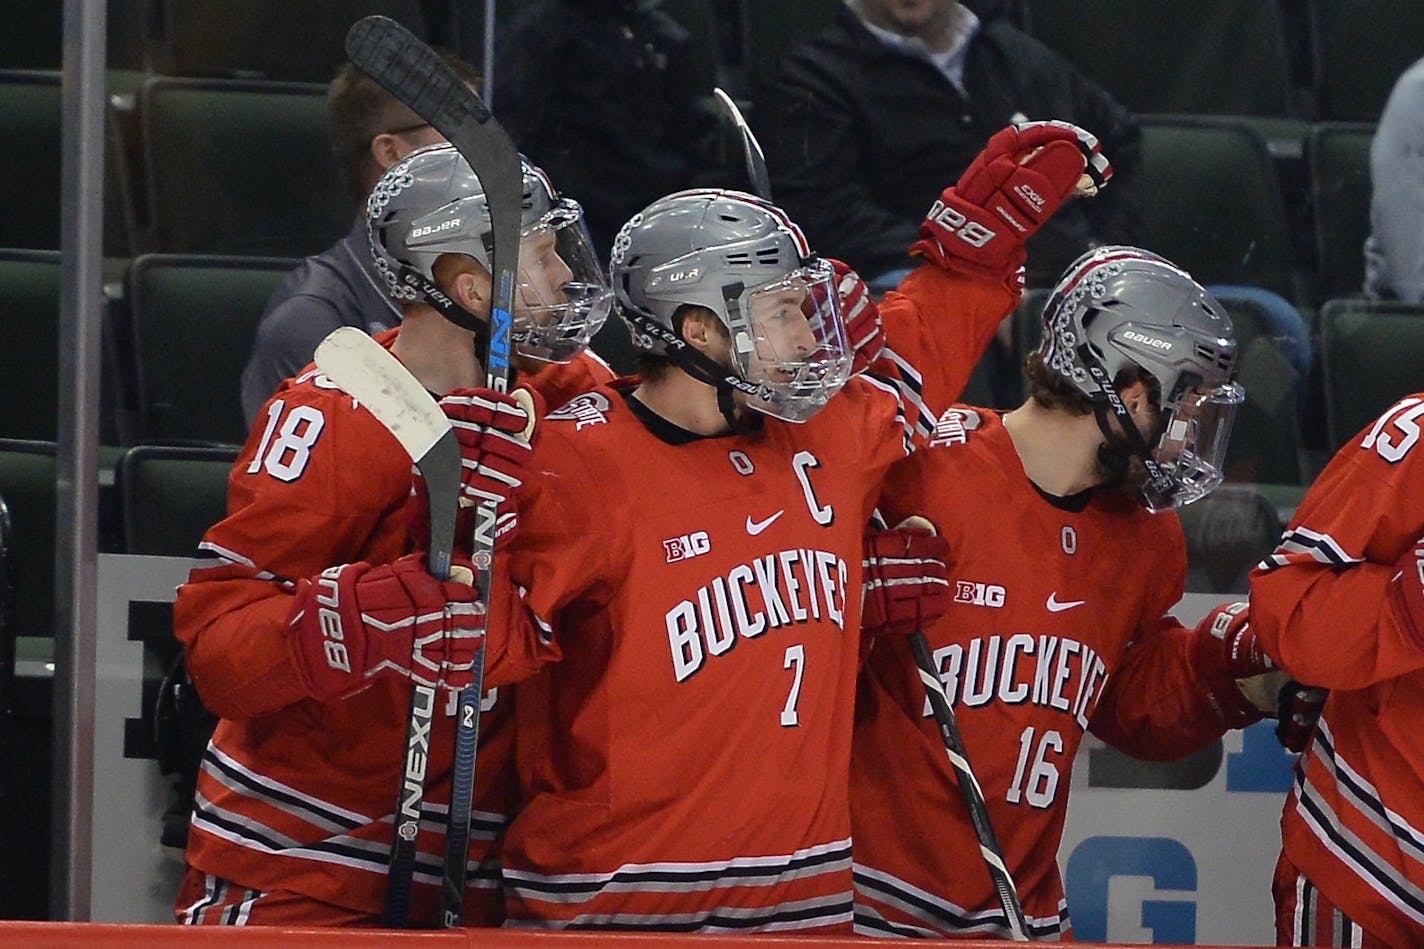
(989, 847)
(362, 367)
(412, 72)
(751, 149)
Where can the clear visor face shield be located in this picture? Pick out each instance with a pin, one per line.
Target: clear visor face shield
(790, 341)
(1192, 450)
(563, 295)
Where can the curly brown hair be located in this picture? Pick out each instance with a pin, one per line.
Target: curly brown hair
(1052, 391)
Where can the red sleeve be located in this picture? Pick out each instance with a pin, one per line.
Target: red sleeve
(1155, 706)
(328, 486)
(937, 326)
(559, 557)
(1318, 603)
(557, 383)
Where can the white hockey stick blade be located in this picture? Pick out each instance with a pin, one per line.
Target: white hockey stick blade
(366, 370)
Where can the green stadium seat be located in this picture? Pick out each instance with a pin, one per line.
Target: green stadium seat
(1371, 354)
(1213, 203)
(190, 325)
(1338, 157)
(170, 495)
(235, 167)
(1225, 57)
(30, 124)
(263, 39)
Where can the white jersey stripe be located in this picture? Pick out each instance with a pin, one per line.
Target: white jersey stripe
(680, 877)
(820, 911)
(1345, 845)
(939, 915)
(1302, 540)
(241, 779)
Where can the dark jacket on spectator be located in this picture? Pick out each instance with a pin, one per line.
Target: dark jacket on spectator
(862, 138)
(612, 100)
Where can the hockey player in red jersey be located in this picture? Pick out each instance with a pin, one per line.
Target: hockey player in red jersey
(1064, 562)
(293, 819)
(692, 546)
(1340, 605)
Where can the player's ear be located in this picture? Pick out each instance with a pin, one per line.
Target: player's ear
(386, 150)
(1135, 397)
(702, 329)
(466, 281)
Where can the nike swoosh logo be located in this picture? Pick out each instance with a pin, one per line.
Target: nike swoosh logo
(1054, 606)
(756, 527)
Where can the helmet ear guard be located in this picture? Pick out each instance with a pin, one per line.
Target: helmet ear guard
(1117, 307)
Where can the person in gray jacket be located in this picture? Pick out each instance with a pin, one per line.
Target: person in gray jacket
(370, 131)
(1394, 252)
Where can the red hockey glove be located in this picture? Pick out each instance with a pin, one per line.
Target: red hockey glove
(356, 622)
(1023, 175)
(1225, 644)
(1406, 593)
(1224, 650)
(906, 583)
(1297, 710)
(864, 331)
(496, 433)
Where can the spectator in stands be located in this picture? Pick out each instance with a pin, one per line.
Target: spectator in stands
(370, 131)
(609, 94)
(1394, 252)
(613, 99)
(863, 122)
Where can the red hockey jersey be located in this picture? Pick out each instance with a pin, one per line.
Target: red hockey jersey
(683, 765)
(937, 326)
(1058, 625)
(296, 794)
(1354, 822)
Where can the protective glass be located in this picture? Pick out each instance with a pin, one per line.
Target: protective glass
(563, 295)
(789, 340)
(1192, 449)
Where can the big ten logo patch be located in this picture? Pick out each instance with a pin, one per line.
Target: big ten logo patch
(979, 594)
(686, 546)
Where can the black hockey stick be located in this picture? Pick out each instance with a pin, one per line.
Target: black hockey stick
(412, 72)
(969, 787)
(366, 370)
(751, 149)
(989, 847)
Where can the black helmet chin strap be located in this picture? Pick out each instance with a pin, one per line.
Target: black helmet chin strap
(448, 308)
(702, 368)
(697, 365)
(1129, 435)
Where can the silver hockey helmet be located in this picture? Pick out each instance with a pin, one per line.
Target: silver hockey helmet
(1116, 307)
(742, 258)
(431, 203)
